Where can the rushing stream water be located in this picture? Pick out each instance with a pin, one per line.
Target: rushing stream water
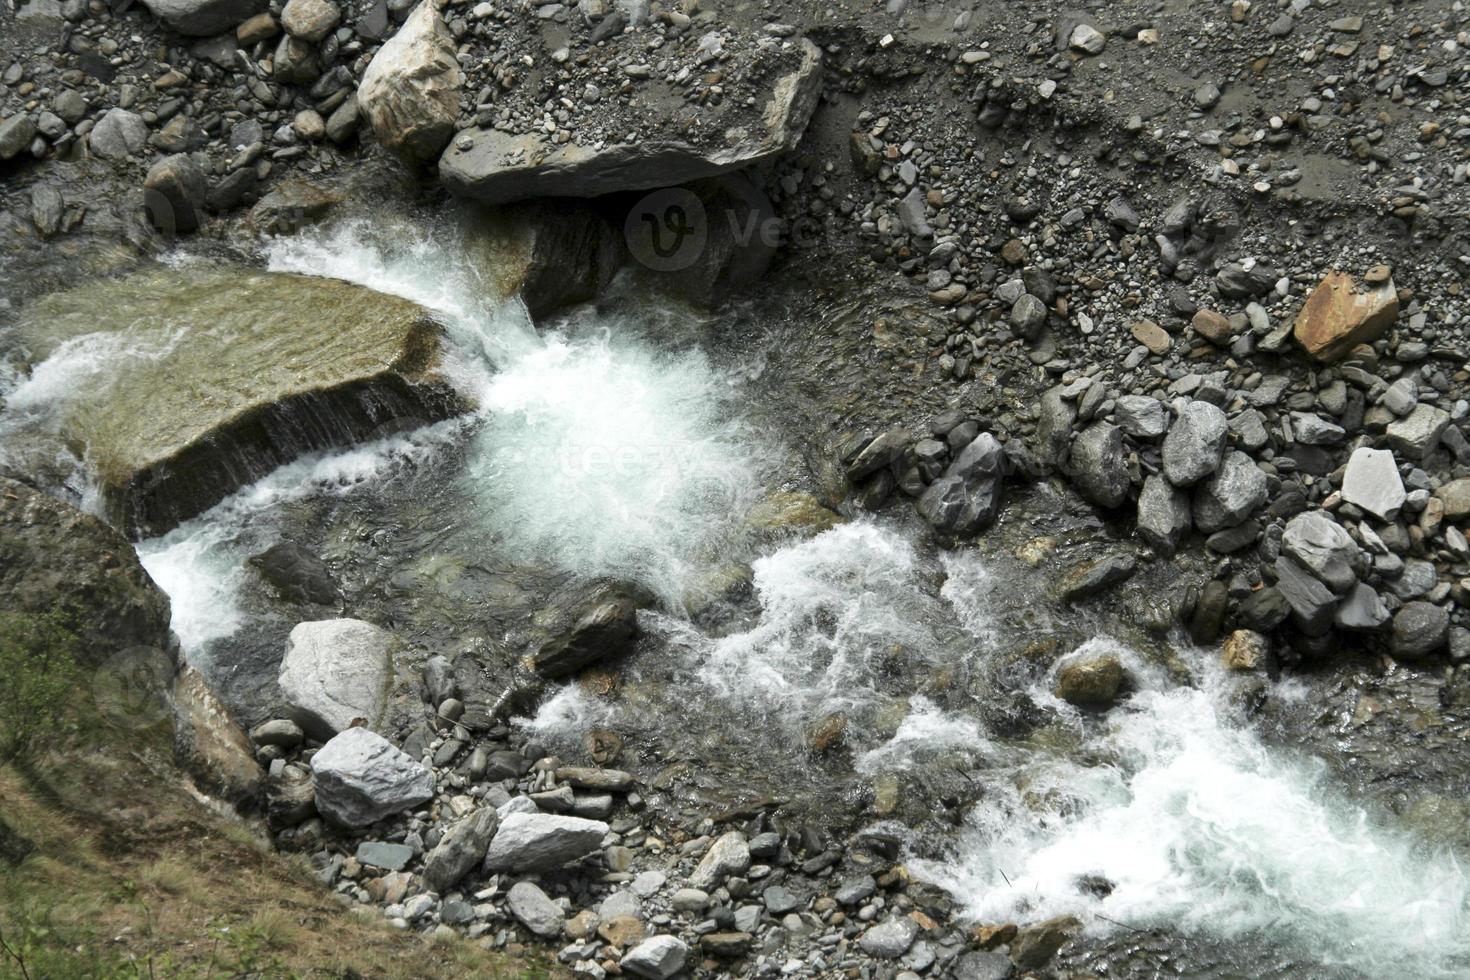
(613, 443)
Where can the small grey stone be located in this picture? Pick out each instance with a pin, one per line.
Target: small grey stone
(1420, 629)
(380, 854)
(1417, 435)
(1141, 417)
(535, 910)
(728, 855)
(891, 938)
(657, 958)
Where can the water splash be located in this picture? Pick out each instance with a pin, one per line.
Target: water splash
(608, 456)
(1200, 827)
(201, 563)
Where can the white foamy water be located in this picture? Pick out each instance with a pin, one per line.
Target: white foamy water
(201, 563)
(838, 611)
(1202, 828)
(437, 271)
(595, 450)
(608, 456)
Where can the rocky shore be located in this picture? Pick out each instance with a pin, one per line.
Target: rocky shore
(1193, 277)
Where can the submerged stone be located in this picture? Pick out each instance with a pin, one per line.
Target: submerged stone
(202, 380)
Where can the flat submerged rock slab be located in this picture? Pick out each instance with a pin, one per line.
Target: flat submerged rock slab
(201, 380)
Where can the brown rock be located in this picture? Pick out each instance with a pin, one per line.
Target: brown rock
(989, 937)
(1337, 316)
(625, 930)
(1245, 650)
(261, 27)
(1455, 496)
(1152, 336)
(828, 733)
(1094, 682)
(1014, 252)
(1212, 326)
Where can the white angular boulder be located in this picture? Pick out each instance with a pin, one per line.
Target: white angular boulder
(542, 841)
(335, 672)
(361, 778)
(1372, 482)
(410, 91)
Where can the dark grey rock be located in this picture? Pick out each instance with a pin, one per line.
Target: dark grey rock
(1163, 514)
(1098, 466)
(460, 850)
(1195, 443)
(1322, 548)
(1233, 493)
(1420, 629)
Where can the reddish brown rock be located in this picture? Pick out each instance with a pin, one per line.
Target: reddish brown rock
(1212, 326)
(1152, 336)
(1338, 316)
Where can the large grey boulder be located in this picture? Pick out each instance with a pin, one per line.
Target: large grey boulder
(1234, 492)
(1323, 548)
(1195, 442)
(657, 959)
(119, 134)
(202, 18)
(497, 167)
(1099, 468)
(410, 90)
(1163, 514)
(535, 910)
(460, 850)
(335, 672)
(361, 778)
(542, 841)
(1372, 482)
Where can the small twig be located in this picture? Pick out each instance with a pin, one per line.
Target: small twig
(1117, 923)
(1003, 875)
(19, 960)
